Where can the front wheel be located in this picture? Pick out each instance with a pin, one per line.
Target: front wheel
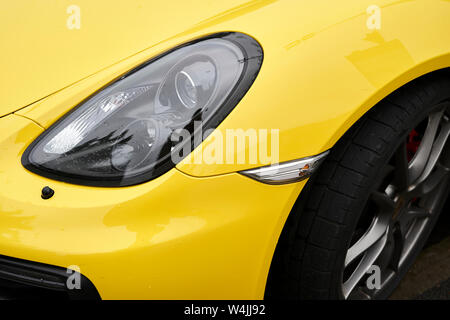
(374, 201)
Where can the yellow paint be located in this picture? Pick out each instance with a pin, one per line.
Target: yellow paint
(200, 230)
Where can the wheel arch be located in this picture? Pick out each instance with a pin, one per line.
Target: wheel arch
(428, 68)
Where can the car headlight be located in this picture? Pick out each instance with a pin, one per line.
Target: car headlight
(121, 135)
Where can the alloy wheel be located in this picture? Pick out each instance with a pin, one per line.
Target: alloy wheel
(412, 187)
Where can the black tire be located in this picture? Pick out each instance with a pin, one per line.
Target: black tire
(310, 256)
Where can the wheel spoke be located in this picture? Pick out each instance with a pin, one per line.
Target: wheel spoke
(420, 160)
(436, 151)
(399, 243)
(382, 200)
(417, 213)
(366, 262)
(374, 233)
(401, 179)
(430, 183)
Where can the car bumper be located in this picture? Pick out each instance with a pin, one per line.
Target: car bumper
(175, 237)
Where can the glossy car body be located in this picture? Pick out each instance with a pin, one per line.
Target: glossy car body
(200, 230)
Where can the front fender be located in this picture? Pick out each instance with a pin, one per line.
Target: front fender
(323, 69)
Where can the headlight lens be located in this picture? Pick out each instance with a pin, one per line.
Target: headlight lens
(122, 134)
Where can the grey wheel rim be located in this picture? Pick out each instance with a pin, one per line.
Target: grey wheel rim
(402, 208)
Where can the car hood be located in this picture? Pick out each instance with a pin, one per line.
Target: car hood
(43, 51)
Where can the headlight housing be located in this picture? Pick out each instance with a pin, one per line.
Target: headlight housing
(122, 135)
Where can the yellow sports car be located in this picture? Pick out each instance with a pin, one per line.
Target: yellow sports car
(239, 149)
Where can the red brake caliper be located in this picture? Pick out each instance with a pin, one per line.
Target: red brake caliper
(413, 144)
